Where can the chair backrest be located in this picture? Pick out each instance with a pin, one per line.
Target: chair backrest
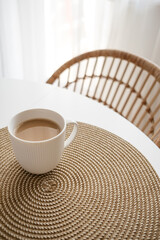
(128, 84)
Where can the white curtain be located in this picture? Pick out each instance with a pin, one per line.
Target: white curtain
(37, 36)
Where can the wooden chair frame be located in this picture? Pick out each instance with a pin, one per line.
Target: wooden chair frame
(141, 88)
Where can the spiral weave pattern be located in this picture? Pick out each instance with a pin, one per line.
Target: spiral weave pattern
(103, 188)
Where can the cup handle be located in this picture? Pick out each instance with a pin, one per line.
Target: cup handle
(73, 133)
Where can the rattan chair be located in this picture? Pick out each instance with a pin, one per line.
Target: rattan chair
(128, 84)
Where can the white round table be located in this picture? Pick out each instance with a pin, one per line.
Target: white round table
(19, 95)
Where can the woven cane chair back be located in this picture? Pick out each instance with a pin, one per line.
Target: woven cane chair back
(128, 84)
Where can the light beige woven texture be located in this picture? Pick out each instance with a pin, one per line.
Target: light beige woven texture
(103, 188)
(127, 83)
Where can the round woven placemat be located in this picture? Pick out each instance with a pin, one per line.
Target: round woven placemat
(103, 188)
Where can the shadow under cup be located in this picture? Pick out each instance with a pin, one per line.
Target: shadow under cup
(38, 156)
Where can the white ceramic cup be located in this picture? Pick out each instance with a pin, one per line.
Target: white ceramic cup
(40, 156)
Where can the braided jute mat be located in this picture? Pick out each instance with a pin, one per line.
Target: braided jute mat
(103, 188)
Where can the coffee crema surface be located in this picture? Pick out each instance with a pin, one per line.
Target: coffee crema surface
(37, 130)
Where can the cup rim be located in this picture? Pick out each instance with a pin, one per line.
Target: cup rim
(41, 141)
